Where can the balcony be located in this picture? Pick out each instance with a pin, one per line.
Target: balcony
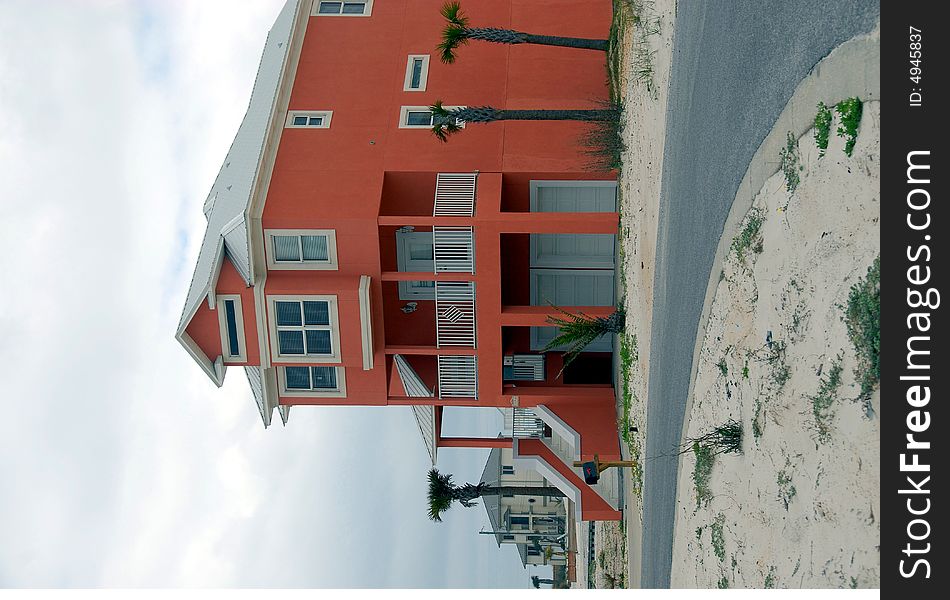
(454, 195)
(453, 249)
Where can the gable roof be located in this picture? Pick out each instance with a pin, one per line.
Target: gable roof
(226, 205)
(230, 195)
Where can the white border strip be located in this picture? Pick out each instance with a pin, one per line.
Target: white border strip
(558, 425)
(366, 323)
(540, 465)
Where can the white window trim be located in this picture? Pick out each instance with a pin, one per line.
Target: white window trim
(241, 357)
(424, 77)
(334, 328)
(272, 264)
(326, 115)
(339, 392)
(315, 10)
(404, 116)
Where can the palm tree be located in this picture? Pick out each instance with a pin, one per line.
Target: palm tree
(457, 32)
(537, 581)
(442, 492)
(579, 330)
(446, 121)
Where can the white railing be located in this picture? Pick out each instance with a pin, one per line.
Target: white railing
(455, 313)
(453, 249)
(525, 424)
(458, 377)
(454, 195)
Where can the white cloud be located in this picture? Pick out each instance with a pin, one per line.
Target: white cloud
(123, 465)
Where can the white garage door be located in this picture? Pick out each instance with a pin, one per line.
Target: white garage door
(571, 287)
(579, 251)
(572, 269)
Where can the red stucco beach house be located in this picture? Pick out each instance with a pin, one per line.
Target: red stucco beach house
(351, 258)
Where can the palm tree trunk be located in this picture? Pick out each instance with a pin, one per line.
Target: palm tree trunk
(557, 115)
(509, 36)
(567, 42)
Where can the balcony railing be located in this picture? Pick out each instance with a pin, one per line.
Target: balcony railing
(454, 195)
(525, 424)
(458, 377)
(455, 314)
(453, 249)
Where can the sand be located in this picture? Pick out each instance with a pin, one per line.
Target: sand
(795, 509)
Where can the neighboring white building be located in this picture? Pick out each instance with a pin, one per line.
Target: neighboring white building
(537, 525)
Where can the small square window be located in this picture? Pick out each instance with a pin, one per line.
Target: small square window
(353, 8)
(507, 470)
(419, 117)
(312, 381)
(301, 249)
(309, 119)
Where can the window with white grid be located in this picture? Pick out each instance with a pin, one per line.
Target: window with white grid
(313, 381)
(304, 328)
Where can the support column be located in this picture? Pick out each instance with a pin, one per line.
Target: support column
(537, 316)
(551, 222)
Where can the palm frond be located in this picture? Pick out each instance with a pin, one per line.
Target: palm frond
(441, 493)
(453, 36)
(444, 122)
(577, 331)
(452, 11)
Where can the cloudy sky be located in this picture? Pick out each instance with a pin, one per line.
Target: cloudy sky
(122, 464)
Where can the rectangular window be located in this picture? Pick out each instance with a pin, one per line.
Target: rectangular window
(305, 328)
(301, 249)
(308, 119)
(349, 8)
(507, 470)
(313, 381)
(231, 323)
(419, 117)
(417, 73)
(234, 347)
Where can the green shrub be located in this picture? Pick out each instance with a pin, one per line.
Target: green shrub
(789, 159)
(702, 473)
(849, 111)
(822, 128)
(822, 401)
(863, 318)
(749, 236)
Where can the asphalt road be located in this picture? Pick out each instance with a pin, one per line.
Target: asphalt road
(735, 65)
